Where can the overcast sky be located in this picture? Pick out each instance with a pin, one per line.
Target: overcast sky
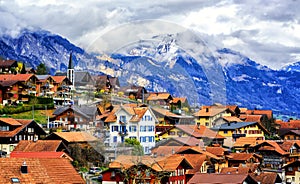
(267, 31)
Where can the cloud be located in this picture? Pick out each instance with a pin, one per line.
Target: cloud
(266, 31)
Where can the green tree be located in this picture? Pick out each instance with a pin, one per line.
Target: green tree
(137, 147)
(41, 69)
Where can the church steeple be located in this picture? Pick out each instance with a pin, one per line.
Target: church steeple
(71, 66)
(70, 72)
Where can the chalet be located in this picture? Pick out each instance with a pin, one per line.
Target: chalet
(15, 88)
(235, 159)
(290, 135)
(8, 66)
(200, 132)
(178, 104)
(106, 83)
(83, 81)
(70, 138)
(233, 131)
(207, 115)
(292, 172)
(14, 130)
(273, 156)
(132, 122)
(75, 117)
(293, 147)
(160, 98)
(134, 92)
(246, 144)
(38, 170)
(62, 88)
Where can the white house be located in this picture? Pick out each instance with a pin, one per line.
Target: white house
(132, 122)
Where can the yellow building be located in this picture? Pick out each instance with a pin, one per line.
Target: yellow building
(207, 115)
(235, 130)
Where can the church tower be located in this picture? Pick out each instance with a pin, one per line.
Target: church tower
(70, 72)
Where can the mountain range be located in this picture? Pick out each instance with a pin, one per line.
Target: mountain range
(181, 64)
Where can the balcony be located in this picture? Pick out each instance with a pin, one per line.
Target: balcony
(235, 136)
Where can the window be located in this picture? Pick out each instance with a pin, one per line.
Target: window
(207, 124)
(147, 118)
(132, 128)
(146, 149)
(142, 139)
(290, 168)
(171, 133)
(298, 168)
(80, 119)
(122, 128)
(20, 137)
(225, 132)
(123, 119)
(150, 128)
(142, 128)
(151, 138)
(115, 128)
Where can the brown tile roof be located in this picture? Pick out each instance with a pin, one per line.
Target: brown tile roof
(38, 146)
(10, 121)
(199, 131)
(158, 96)
(189, 141)
(12, 133)
(240, 156)
(246, 141)
(266, 177)
(219, 151)
(210, 111)
(290, 124)
(197, 149)
(269, 113)
(215, 178)
(40, 170)
(45, 154)
(138, 113)
(269, 145)
(172, 162)
(166, 150)
(76, 136)
(112, 117)
(250, 118)
(235, 170)
(196, 162)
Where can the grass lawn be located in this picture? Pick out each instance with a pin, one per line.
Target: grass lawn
(40, 116)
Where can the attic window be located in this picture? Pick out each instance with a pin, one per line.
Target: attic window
(15, 180)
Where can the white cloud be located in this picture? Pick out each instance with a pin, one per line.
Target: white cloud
(266, 31)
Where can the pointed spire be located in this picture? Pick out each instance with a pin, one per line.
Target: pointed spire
(71, 62)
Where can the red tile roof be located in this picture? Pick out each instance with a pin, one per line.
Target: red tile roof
(45, 154)
(269, 113)
(38, 146)
(266, 177)
(177, 99)
(17, 77)
(250, 118)
(196, 162)
(246, 142)
(6, 63)
(10, 121)
(76, 136)
(165, 112)
(290, 124)
(231, 119)
(59, 79)
(235, 170)
(271, 146)
(49, 170)
(219, 151)
(240, 156)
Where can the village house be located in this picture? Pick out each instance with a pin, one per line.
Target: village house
(74, 117)
(233, 131)
(208, 115)
(16, 88)
(200, 132)
(162, 99)
(14, 130)
(179, 105)
(41, 146)
(134, 123)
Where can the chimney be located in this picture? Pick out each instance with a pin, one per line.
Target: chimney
(24, 168)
